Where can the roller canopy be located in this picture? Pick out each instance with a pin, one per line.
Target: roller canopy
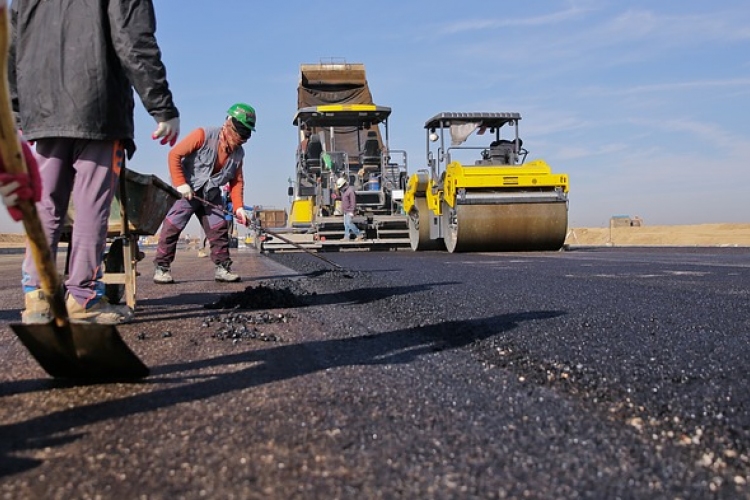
(489, 120)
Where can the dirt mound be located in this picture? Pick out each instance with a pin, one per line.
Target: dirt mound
(700, 235)
(12, 239)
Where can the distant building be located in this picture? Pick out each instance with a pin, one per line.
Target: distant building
(625, 221)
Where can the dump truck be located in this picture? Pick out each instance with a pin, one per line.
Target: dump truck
(478, 193)
(342, 134)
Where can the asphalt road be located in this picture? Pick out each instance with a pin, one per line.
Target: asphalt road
(609, 373)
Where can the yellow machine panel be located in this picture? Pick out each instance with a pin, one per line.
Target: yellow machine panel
(302, 212)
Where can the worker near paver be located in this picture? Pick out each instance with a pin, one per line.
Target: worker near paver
(348, 206)
(199, 165)
(75, 100)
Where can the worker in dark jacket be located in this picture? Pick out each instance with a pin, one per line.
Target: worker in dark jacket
(72, 68)
(348, 206)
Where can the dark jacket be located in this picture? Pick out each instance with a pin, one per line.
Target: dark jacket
(73, 64)
(348, 199)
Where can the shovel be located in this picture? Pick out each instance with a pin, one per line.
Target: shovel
(63, 349)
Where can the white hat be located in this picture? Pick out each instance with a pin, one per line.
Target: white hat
(340, 182)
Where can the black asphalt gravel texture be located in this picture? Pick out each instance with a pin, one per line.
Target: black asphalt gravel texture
(648, 361)
(593, 373)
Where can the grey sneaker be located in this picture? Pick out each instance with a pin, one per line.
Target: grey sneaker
(224, 273)
(37, 309)
(163, 275)
(102, 312)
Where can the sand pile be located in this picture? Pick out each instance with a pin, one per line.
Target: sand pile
(702, 235)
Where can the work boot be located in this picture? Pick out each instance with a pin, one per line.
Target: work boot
(102, 313)
(224, 273)
(37, 309)
(162, 275)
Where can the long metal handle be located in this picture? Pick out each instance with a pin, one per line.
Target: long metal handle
(272, 233)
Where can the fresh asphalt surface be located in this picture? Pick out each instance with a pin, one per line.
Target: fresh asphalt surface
(592, 373)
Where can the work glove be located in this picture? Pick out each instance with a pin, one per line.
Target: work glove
(20, 132)
(27, 186)
(241, 216)
(186, 191)
(168, 131)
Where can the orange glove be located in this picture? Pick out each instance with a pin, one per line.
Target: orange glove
(14, 187)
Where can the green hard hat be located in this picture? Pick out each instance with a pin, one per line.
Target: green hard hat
(243, 113)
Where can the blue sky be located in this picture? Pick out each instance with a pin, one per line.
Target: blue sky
(643, 104)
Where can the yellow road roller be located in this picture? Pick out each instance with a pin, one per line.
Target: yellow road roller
(479, 194)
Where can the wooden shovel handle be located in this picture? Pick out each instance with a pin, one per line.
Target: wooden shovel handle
(12, 157)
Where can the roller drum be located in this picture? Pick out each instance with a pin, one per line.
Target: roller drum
(505, 227)
(422, 180)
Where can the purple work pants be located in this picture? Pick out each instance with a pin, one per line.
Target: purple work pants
(212, 220)
(86, 172)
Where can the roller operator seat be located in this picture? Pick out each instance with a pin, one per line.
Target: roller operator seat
(502, 152)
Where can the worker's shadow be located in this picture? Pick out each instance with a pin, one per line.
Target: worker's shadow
(273, 364)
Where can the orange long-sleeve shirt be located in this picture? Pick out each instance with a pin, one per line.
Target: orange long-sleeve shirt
(193, 142)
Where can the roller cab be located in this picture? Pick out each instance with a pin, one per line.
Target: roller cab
(481, 194)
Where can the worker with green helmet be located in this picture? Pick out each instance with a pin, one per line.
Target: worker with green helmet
(200, 165)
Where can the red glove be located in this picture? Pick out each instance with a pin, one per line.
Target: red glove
(14, 187)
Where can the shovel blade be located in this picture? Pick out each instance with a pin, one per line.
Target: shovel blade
(81, 351)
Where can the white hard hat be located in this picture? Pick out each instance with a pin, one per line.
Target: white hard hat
(340, 182)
